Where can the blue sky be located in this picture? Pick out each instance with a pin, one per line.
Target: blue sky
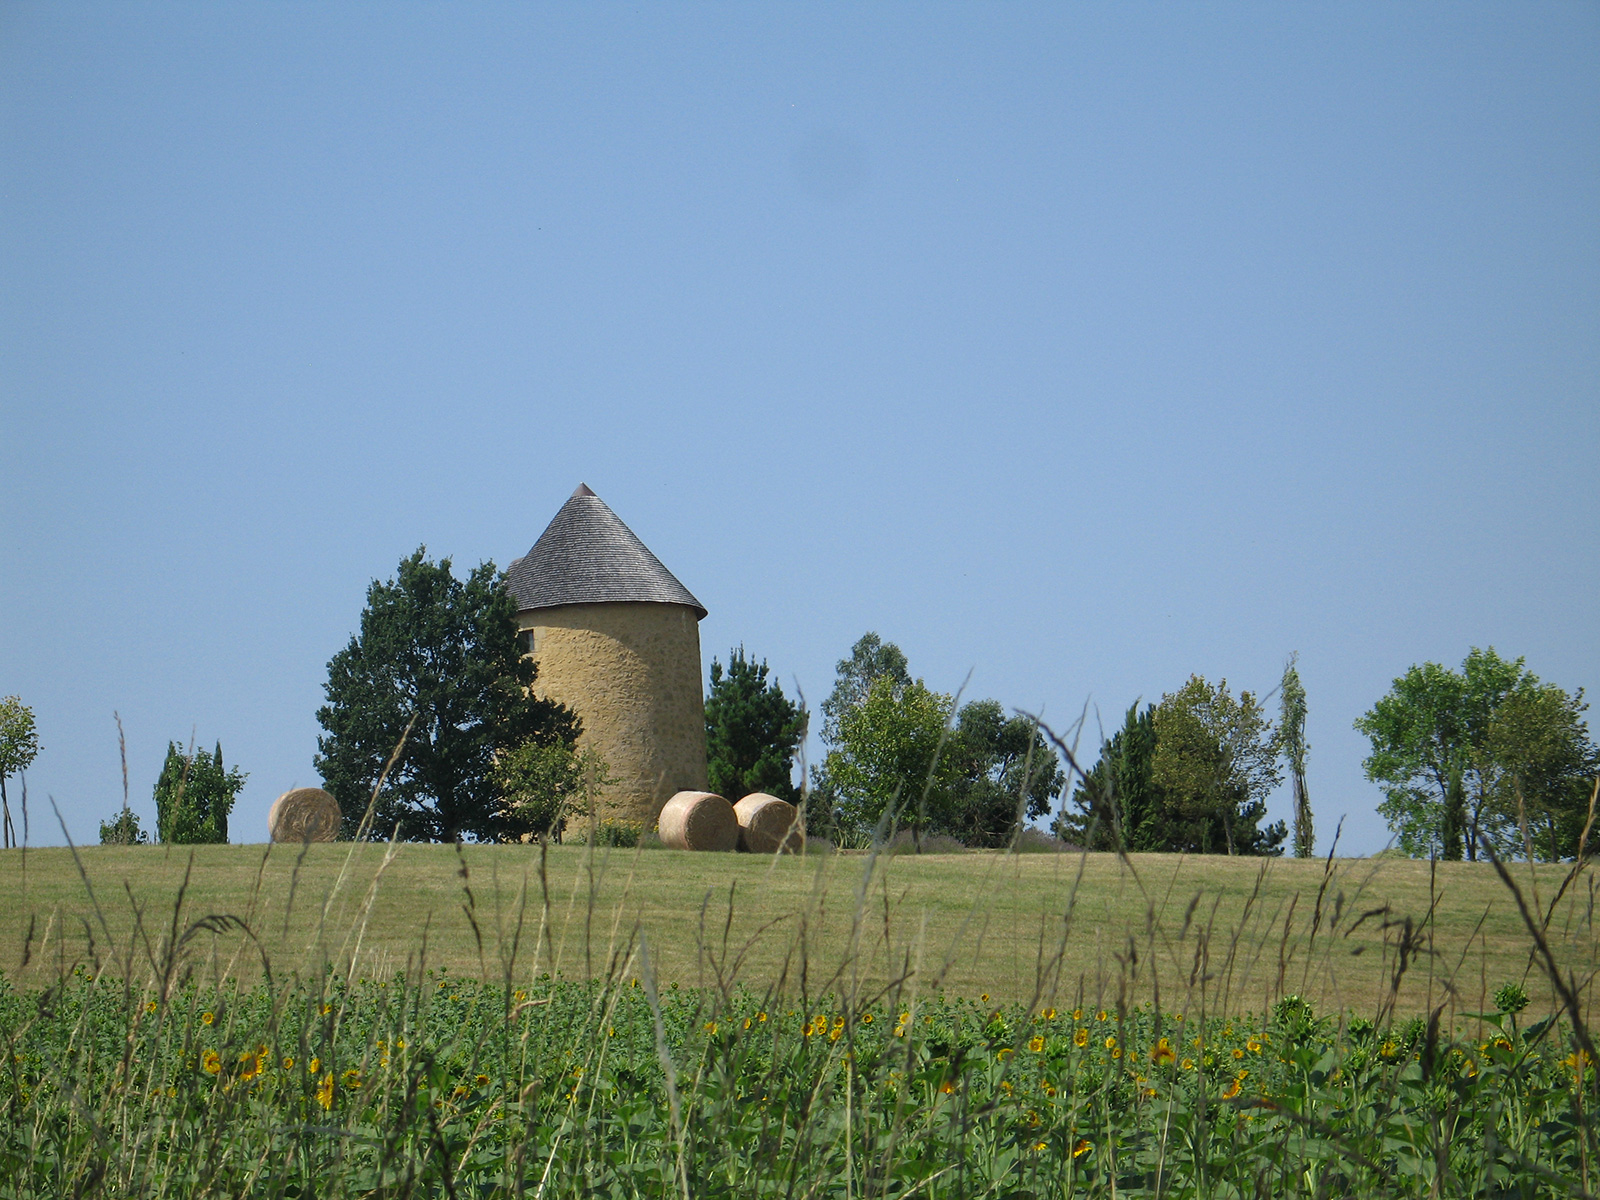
(1078, 348)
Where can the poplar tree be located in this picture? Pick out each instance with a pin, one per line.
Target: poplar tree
(1292, 739)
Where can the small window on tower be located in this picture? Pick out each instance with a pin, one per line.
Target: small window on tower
(529, 643)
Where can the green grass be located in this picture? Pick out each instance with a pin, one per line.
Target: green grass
(502, 1021)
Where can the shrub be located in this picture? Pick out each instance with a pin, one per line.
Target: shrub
(123, 830)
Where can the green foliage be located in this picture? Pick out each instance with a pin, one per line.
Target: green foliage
(19, 736)
(871, 659)
(542, 785)
(1190, 774)
(1215, 762)
(1511, 998)
(1117, 804)
(123, 830)
(444, 652)
(1005, 774)
(617, 834)
(1292, 742)
(752, 731)
(974, 774)
(440, 1085)
(1538, 769)
(1467, 759)
(19, 745)
(194, 795)
(889, 757)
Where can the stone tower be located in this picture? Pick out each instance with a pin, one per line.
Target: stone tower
(617, 640)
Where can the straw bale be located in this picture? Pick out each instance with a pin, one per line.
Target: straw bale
(698, 821)
(768, 825)
(304, 815)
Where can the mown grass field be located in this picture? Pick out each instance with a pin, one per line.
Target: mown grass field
(1224, 934)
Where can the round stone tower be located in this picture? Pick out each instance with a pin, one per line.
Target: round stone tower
(617, 640)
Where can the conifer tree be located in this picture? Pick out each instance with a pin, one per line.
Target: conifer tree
(194, 795)
(752, 731)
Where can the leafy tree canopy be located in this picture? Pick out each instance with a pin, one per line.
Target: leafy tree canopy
(871, 659)
(544, 784)
(1462, 756)
(1006, 773)
(1215, 762)
(752, 731)
(194, 795)
(445, 652)
(889, 753)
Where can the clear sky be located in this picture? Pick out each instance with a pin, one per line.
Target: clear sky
(1076, 347)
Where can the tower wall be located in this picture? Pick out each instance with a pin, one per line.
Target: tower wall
(631, 671)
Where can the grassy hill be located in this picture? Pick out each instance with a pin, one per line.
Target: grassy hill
(1217, 935)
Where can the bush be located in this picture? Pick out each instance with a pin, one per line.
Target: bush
(618, 834)
(123, 831)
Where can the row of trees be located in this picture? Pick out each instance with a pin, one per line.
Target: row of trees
(903, 755)
(194, 796)
(194, 793)
(435, 697)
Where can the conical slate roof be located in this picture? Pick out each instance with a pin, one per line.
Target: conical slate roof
(588, 556)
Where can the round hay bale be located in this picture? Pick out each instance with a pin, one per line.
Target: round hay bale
(768, 825)
(304, 815)
(698, 821)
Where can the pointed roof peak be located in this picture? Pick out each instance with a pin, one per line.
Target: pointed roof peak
(588, 556)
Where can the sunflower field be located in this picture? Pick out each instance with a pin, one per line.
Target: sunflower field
(444, 1085)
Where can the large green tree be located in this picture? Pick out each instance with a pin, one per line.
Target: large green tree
(19, 744)
(889, 754)
(871, 659)
(194, 795)
(1540, 769)
(1215, 762)
(752, 731)
(898, 748)
(442, 654)
(1462, 754)
(1005, 774)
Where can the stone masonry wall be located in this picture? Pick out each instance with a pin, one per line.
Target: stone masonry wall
(632, 672)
